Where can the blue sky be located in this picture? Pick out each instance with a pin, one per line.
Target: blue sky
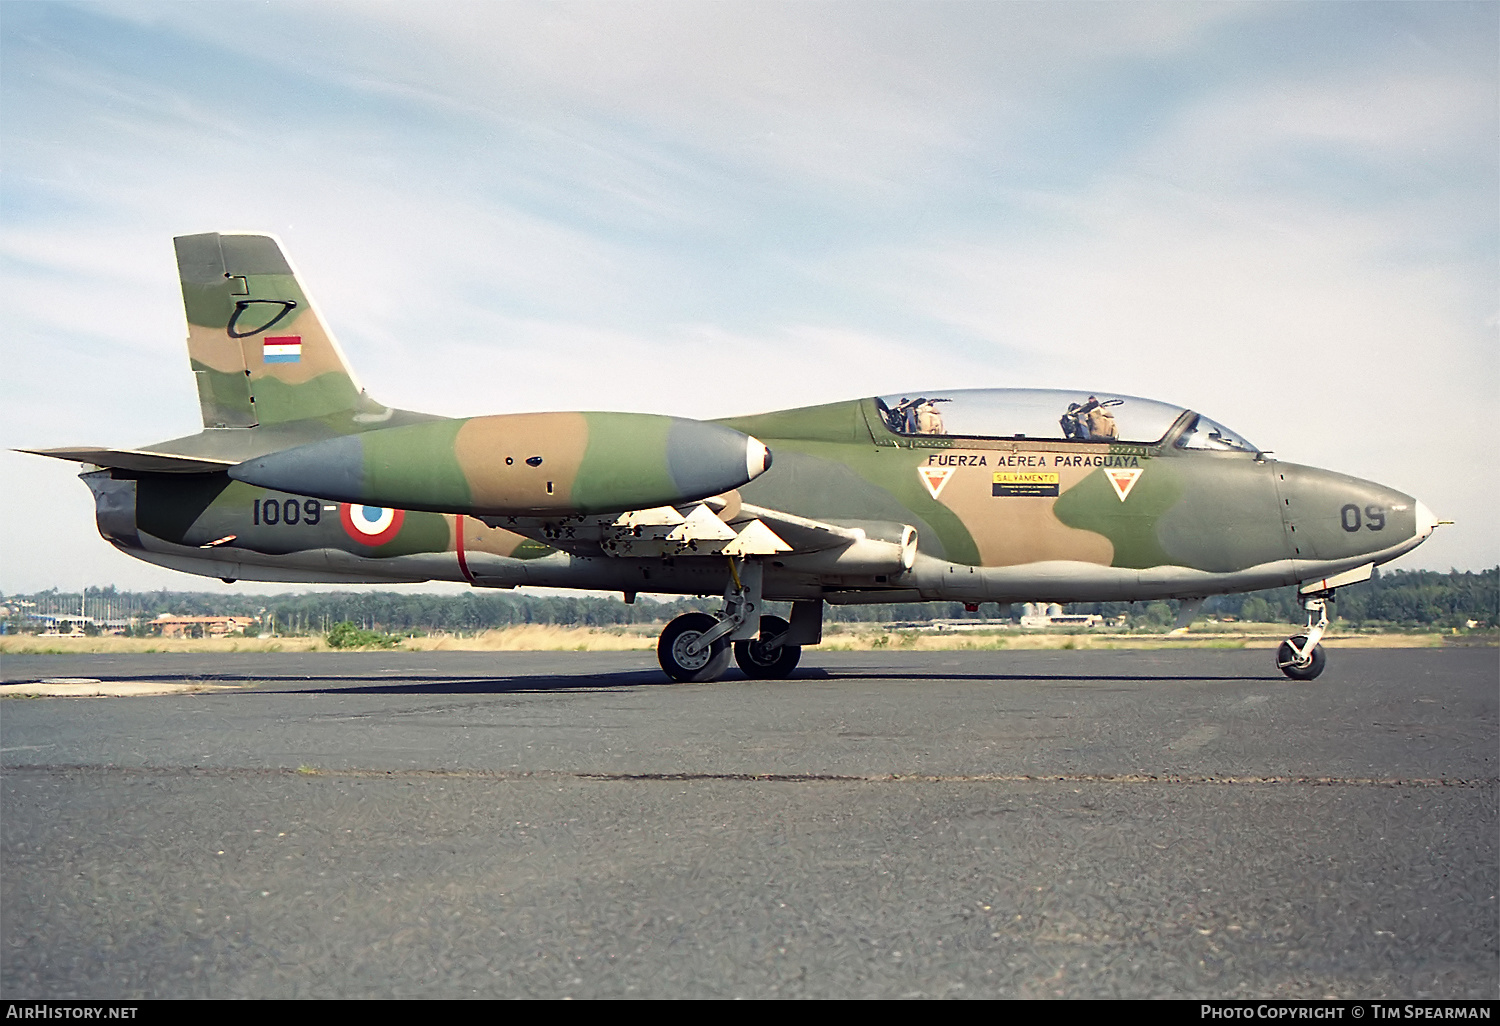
(1284, 215)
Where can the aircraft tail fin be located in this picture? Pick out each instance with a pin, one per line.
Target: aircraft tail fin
(259, 349)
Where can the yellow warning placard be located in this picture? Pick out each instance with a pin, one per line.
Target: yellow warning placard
(1030, 483)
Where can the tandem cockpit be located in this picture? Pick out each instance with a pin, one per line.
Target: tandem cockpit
(1054, 415)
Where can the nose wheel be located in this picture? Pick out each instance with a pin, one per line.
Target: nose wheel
(1299, 657)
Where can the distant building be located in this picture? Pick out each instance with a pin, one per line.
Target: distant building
(201, 626)
(1037, 615)
(53, 624)
(58, 625)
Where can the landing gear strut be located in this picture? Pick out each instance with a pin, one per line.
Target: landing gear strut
(1299, 657)
(696, 647)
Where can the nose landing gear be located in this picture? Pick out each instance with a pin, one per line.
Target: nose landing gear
(1299, 657)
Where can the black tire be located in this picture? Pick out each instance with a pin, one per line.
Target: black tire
(1286, 660)
(681, 667)
(762, 662)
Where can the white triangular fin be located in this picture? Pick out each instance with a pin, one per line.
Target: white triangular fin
(661, 516)
(701, 525)
(756, 540)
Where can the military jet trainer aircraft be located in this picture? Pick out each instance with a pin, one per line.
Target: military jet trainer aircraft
(984, 495)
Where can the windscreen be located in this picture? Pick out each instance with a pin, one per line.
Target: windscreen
(1203, 433)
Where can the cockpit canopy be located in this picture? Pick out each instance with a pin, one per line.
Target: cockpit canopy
(1051, 415)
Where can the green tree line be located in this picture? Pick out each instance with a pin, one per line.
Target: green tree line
(1408, 598)
(1401, 598)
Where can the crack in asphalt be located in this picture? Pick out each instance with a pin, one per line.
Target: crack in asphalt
(794, 778)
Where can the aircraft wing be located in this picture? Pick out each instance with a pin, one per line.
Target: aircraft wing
(801, 534)
(724, 526)
(135, 459)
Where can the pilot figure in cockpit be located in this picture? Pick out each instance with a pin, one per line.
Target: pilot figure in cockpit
(917, 417)
(1090, 421)
(929, 420)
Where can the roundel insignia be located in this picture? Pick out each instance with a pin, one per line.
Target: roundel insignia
(370, 525)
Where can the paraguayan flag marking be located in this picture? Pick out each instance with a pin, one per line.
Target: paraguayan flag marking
(282, 349)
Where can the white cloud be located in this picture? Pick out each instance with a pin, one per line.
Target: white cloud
(820, 95)
(724, 208)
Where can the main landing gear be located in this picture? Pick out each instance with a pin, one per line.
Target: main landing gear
(1299, 657)
(696, 647)
(685, 654)
(768, 656)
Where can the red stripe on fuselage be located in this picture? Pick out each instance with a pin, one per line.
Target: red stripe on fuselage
(458, 546)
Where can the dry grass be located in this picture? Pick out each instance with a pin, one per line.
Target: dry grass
(838, 637)
(36, 644)
(540, 638)
(1257, 636)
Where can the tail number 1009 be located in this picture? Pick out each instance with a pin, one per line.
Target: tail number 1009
(289, 511)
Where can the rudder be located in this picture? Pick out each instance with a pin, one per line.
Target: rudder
(258, 348)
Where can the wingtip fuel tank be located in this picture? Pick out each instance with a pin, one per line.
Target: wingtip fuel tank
(534, 464)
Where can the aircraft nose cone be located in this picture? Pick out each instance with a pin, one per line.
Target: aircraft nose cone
(1333, 517)
(1427, 521)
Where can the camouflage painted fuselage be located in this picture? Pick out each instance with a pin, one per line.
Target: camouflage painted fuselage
(1020, 520)
(298, 474)
(990, 529)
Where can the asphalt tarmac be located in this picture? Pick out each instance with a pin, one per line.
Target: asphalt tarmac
(1028, 824)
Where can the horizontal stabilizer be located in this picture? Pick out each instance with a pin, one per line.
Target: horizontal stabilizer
(135, 459)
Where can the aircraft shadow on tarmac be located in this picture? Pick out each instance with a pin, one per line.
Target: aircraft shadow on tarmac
(586, 682)
(578, 683)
